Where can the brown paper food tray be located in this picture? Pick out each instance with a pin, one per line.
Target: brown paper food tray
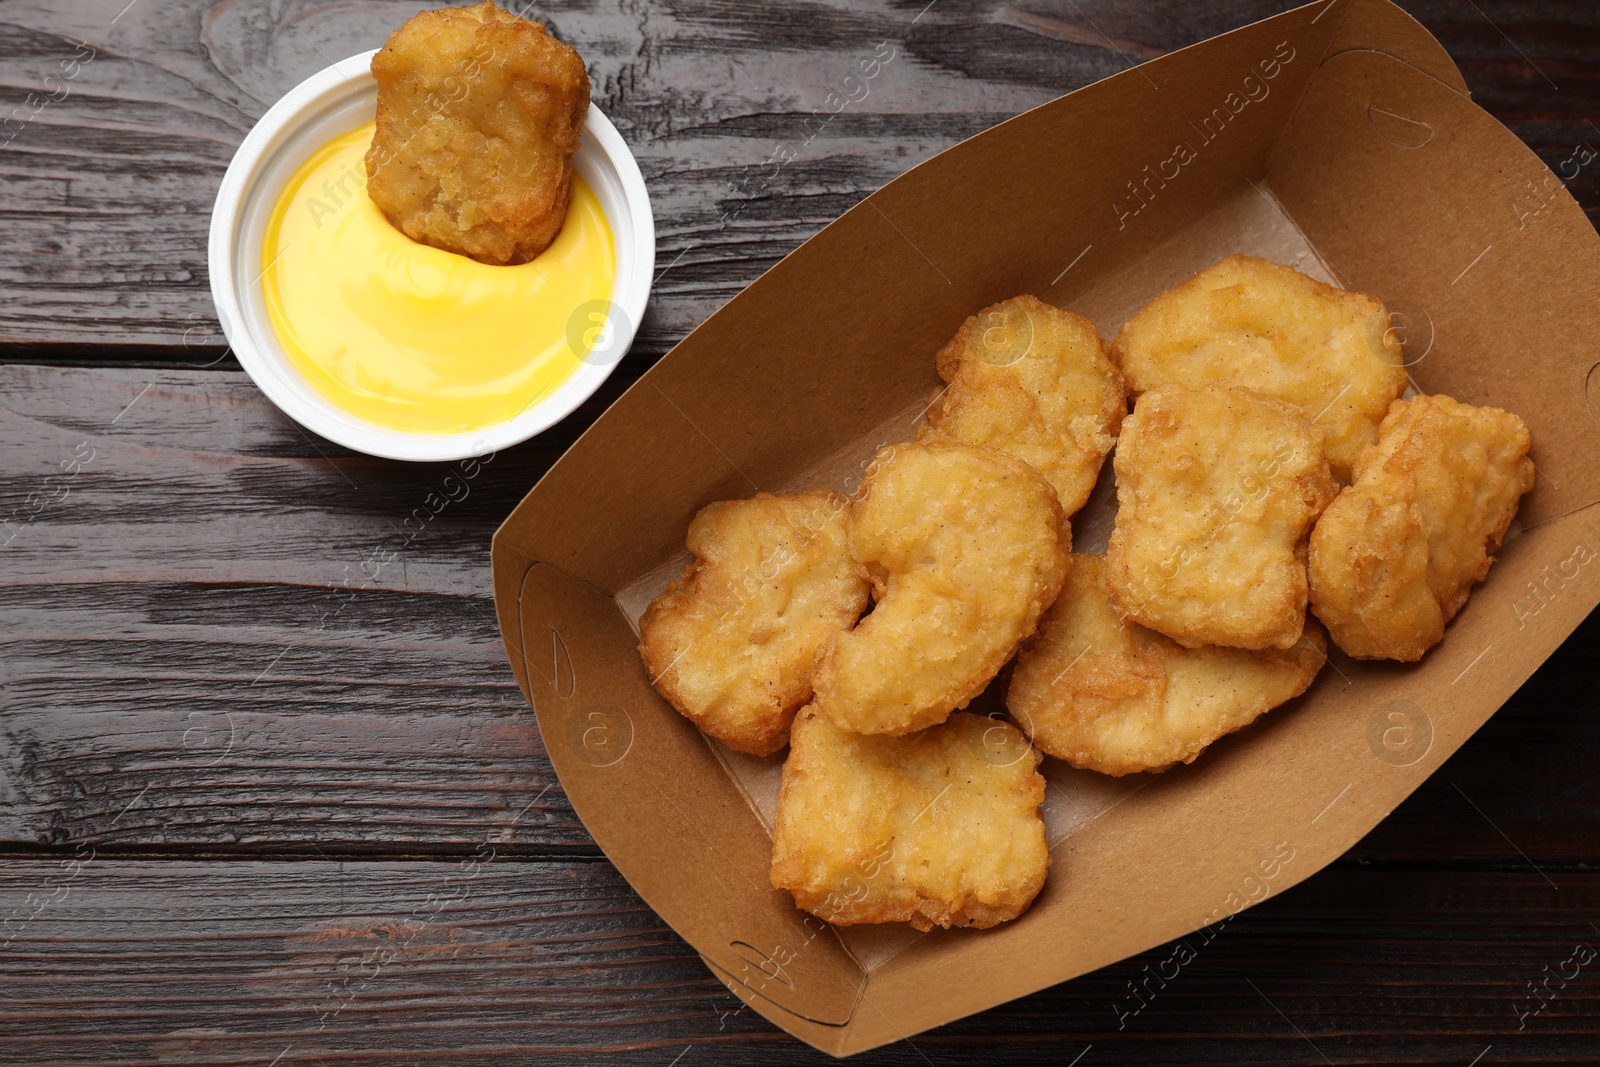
(1335, 136)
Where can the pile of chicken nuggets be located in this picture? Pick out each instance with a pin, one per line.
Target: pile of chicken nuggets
(1274, 493)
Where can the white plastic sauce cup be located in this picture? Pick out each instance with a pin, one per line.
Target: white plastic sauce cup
(335, 101)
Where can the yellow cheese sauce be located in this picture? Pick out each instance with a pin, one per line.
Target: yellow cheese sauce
(412, 337)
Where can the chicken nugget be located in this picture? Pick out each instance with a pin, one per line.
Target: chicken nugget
(1105, 694)
(734, 643)
(1033, 381)
(1396, 555)
(1217, 489)
(929, 829)
(479, 112)
(965, 547)
(1264, 326)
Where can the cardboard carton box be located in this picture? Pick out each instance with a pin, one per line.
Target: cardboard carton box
(1337, 137)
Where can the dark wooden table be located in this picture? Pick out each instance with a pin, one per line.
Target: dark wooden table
(260, 804)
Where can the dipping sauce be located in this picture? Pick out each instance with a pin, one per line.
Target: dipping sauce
(412, 337)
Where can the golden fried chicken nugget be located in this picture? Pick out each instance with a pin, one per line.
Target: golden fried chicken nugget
(965, 547)
(479, 112)
(734, 643)
(1031, 380)
(1105, 694)
(932, 828)
(1396, 555)
(1264, 326)
(1217, 489)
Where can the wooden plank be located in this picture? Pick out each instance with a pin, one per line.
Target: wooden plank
(496, 961)
(221, 631)
(112, 163)
(203, 650)
(112, 249)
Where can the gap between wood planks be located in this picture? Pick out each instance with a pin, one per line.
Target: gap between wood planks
(513, 852)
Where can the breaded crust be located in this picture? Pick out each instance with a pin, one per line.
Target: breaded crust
(1261, 325)
(1217, 489)
(937, 828)
(734, 643)
(1105, 694)
(1033, 381)
(479, 112)
(966, 547)
(1397, 554)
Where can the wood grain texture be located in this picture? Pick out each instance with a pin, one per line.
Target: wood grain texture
(494, 961)
(112, 163)
(220, 631)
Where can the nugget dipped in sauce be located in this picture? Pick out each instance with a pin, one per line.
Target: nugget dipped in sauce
(479, 112)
